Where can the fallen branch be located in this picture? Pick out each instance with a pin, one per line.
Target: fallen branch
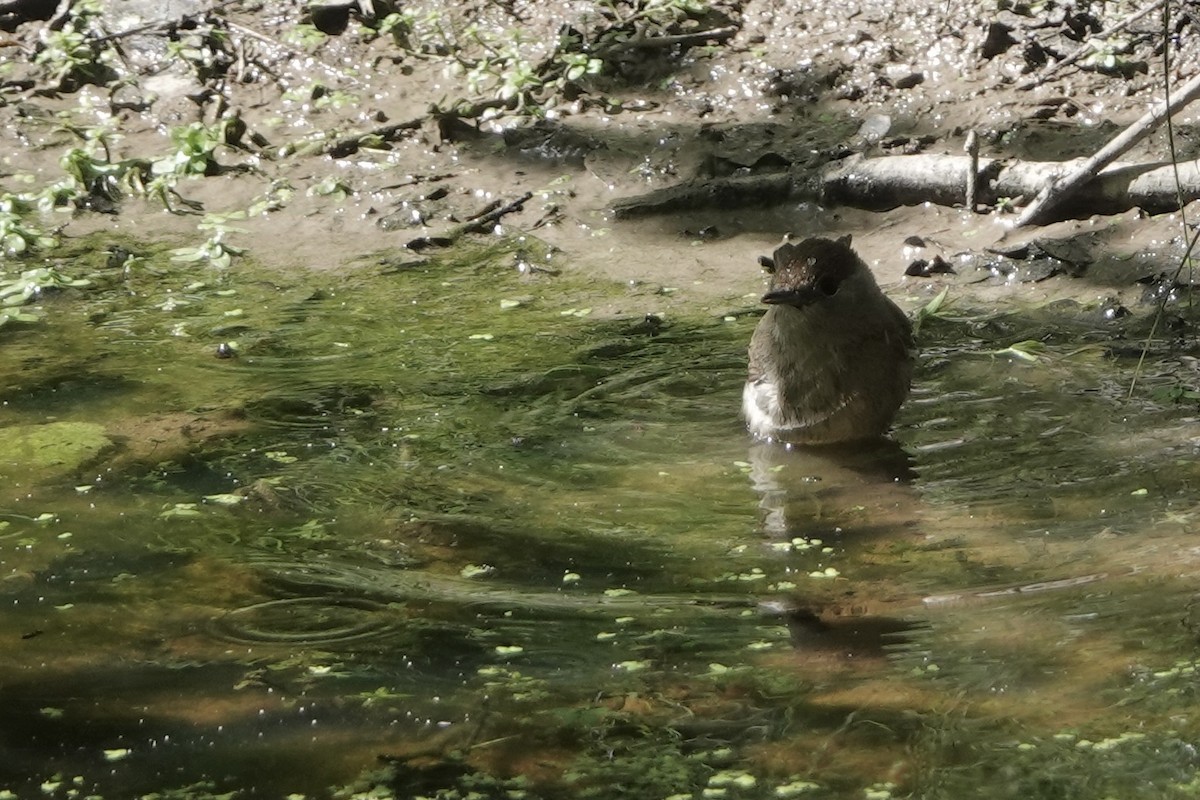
(884, 183)
(1058, 189)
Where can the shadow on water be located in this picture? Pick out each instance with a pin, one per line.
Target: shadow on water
(397, 550)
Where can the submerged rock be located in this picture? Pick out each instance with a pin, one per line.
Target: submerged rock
(57, 448)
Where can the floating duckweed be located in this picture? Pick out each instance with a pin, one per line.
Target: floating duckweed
(623, 620)
(1109, 744)
(1140, 492)
(507, 304)
(828, 572)
(621, 592)
(632, 666)
(604, 636)
(571, 577)
(794, 788)
(879, 791)
(782, 586)
(760, 645)
(180, 511)
(84, 489)
(117, 754)
(224, 499)
(715, 792)
(476, 570)
(1025, 746)
(487, 337)
(731, 777)
(781, 546)
(509, 649)
(720, 754)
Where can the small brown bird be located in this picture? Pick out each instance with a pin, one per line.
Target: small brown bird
(832, 359)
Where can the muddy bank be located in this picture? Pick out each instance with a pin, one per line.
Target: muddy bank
(331, 138)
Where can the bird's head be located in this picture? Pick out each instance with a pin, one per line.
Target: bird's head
(816, 271)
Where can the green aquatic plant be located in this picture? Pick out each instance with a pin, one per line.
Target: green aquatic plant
(214, 251)
(75, 54)
(18, 291)
(934, 309)
(196, 145)
(18, 235)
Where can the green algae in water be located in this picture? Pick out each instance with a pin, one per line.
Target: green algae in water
(421, 465)
(29, 453)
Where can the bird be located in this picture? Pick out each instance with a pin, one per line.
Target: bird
(831, 361)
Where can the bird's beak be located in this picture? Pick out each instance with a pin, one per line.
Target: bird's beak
(790, 297)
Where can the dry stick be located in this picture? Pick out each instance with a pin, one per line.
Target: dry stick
(697, 37)
(1055, 191)
(972, 148)
(483, 223)
(349, 145)
(1086, 48)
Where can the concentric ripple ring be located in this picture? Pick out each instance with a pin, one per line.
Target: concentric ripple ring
(304, 620)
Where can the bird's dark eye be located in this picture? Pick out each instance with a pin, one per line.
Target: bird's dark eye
(828, 286)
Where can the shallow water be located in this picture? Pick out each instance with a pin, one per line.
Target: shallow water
(438, 529)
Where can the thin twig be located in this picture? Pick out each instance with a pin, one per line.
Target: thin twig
(485, 222)
(972, 148)
(481, 224)
(349, 145)
(1188, 236)
(699, 37)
